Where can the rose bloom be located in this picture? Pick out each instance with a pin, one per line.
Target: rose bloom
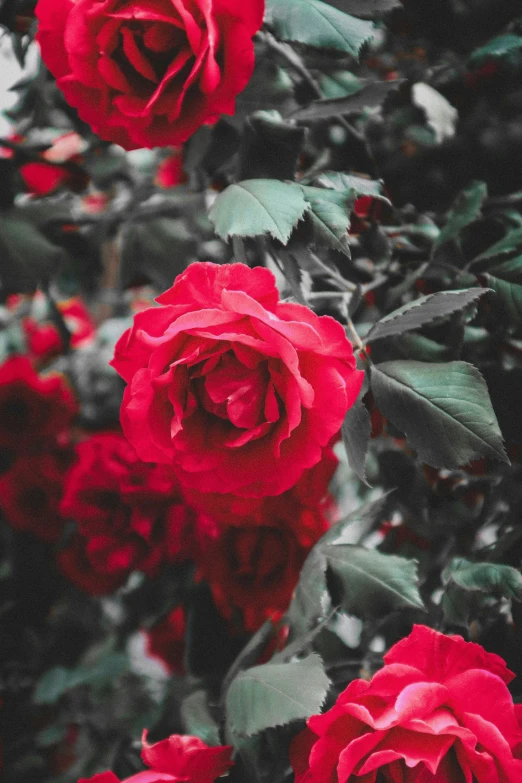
(238, 391)
(31, 491)
(149, 74)
(44, 178)
(43, 338)
(176, 759)
(130, 515)
(250, 550)
(33, 408)
(439, 711)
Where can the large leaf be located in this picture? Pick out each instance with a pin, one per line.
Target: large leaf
(258, 206)
(275, 694)
(468, 586)
(465, 210)
(329, 214)
(317, 24)
(422, 311)
(505, 280)
(197, 719)
(368, 9)
(443, 409)
(370, 583)
(157, 250)
(27, 257)
(339, 84)
(496, 49)
(356, 432)
(371, 96)
(359, 594)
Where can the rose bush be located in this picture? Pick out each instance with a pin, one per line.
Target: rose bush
(238, 391)
(177, 758)
(130, 515)
(147, 74)
(439, 711)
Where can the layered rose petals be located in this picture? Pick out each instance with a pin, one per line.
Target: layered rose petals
(175, 759)
(130, 515)
(238, 391)
(438, 712)
(146, 73)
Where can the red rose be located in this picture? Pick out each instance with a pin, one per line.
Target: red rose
(45, 177)
(148, 73)
(178, 758)
(43, 338)
(33, 408)
(130, 515)
(170, 171)
(253, 553)
(439, 711)
(166, 641)
(237, 390)
(31, 491)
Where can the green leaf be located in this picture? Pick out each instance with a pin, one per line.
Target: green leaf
(465, 210)
(371, 96)
(469, 585)
(495, 49)
(258, 206)
(28, 258)
(359, 186)
(312, 599)
(329, 214)
(275, 694)
(356, 432)
(317, 24)
(368, 9)
(339, 84)
(157, 249)
(508, 245)
(506, 281)
(443, 409)
(197, 720)
(423, 311)
(52, 685)
(371, 583)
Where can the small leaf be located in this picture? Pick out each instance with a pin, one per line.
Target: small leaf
(356, 432)
(508, 245)
(371, 583)
(329, 213)
(339, 84)
(258, 206)
(197, 720)
(317, 24)
(52, 685)
(469, 585)
(275, 694)
(443, 409)
(423, 311)
(359, 186)
(371, 96)
(465, 210)
(495, 49)
(28, 257)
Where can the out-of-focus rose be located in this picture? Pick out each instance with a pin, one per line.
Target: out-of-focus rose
(252, 555)
(33, 408)
(170, 171)
(238, 391)
(148, 74)
(31, 491)
(439, 711)
(176, 759)
(53, 172)
(44, 340)
(130, 515)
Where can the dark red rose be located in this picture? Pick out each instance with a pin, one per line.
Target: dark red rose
(253, 553)
(45, 177)
(148, 73)
(176, 759)
(130, 515)
(237, 390)
(439, 711)
(31, 491)
(166, 641)
(33, 408)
